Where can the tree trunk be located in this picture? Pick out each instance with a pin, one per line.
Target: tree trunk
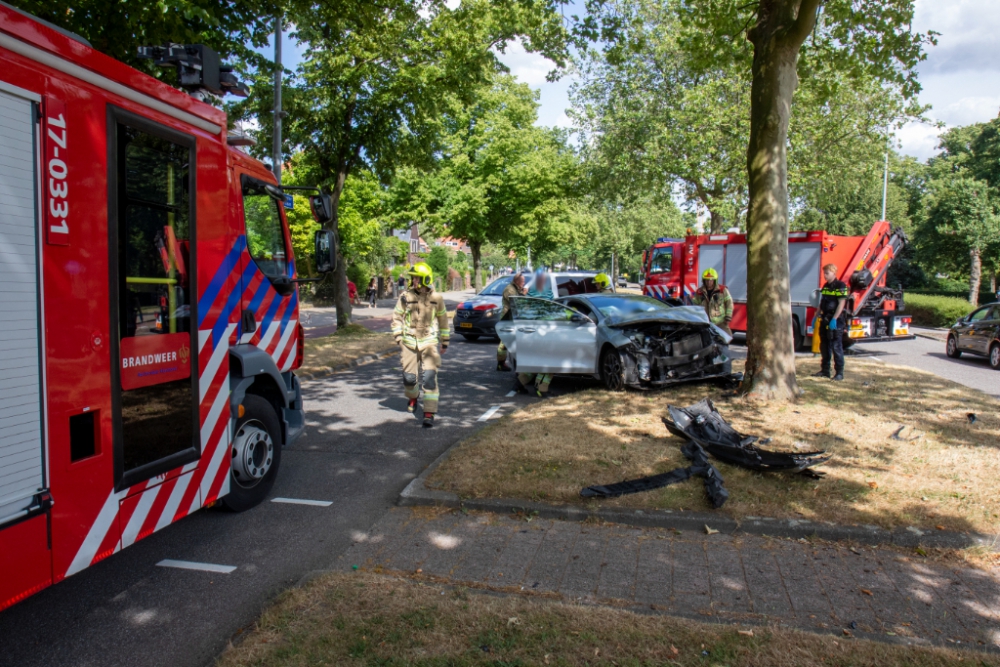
(993, 281)
(777, 37)
(477, 258)
(341, 299)
(975, 275)
(716, 223)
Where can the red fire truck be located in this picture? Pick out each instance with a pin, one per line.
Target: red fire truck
(150, 305)
(672, 270)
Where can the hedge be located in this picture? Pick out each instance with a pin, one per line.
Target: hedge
(935, 311)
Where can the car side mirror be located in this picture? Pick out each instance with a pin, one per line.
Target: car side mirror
(322, 208)
(326, 250)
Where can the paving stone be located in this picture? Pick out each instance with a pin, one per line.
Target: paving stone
(459, 540)
(618, 576)
(479, 558)
(656, 561)
(552, 557)
(690, 569)
(584, 568)
(512, 565)
(393, 534)
(428, 538)
(726, 578)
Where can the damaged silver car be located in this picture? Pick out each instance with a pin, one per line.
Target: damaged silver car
(624, 340)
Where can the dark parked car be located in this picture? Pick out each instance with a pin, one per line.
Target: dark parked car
(977, 333)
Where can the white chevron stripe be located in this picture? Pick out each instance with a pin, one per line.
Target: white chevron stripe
(218, 356)
(220, 454)
(265, 340)
(203, 336)
(138, 517)
(283, 343)
(214, 413)
(173, 502)
(98, 531)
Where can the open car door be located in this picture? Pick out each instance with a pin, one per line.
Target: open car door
(550, 337)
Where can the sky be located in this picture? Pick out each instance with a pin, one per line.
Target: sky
(960, 78)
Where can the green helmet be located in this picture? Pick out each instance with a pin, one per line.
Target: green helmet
(710, 274)
(602, 280)
(423, 271)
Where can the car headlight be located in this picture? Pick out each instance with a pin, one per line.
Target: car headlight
(490, 313)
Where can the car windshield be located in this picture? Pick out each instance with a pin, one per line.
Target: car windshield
(619, 306)
(496, 287)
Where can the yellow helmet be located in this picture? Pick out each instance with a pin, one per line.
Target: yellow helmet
(602, 280)
(423, 271)
(710, 274)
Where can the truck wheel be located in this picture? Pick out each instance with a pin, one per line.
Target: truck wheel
(995, 356)
(255, 455)
(612, 369)
(951, 348)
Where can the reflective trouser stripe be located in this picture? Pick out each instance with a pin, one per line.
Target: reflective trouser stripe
(414, 362)
(501, 353)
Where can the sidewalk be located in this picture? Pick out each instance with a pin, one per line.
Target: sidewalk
(322, 321)
(861, 591)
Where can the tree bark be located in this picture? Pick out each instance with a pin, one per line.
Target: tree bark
(782, 26)
(716, 222)
(341, 298)
(975, 275)
(477, 258)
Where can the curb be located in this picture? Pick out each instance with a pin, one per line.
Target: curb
(360, 361)
(416, 494)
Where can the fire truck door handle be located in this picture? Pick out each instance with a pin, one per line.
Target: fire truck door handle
(249, 323)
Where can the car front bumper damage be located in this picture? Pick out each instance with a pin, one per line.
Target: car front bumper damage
(665, 353)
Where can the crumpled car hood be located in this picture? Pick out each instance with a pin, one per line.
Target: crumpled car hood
(685, 314)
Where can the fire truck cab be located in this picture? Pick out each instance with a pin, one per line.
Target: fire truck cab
(149, 303)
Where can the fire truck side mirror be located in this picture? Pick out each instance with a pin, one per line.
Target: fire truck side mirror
(326, 251)
(322, 208)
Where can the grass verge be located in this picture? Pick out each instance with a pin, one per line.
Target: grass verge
(370, 619)
(936, 311)
(344, 346)
(905, 453)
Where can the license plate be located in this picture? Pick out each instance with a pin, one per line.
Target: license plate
(465, 325)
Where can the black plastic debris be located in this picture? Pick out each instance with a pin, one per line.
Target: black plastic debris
(706, 432)
(971, 417)
(703, 424)
(714, 484)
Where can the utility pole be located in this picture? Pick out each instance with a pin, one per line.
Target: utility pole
(278, 113)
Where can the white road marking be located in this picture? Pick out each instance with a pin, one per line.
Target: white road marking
(301, 501)
(511, 393)
(489, 413)
(191, 565)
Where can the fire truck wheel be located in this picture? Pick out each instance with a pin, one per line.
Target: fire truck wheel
(256, 454)
(951, 348)
(612, 369)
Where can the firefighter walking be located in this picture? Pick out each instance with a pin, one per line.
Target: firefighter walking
(419, 326)
(715, 299)
(831, 323)
(515, 288)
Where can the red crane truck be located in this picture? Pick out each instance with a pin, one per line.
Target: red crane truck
(672, 270)
(150, 305)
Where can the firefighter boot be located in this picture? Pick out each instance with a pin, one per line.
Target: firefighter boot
(428, 419)
(412, 406)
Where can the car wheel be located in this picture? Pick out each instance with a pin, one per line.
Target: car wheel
(995, 356)
(471, 337)
(255, 454)
(951, 348)
(612, 370)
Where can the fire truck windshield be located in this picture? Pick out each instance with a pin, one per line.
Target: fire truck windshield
(661, 260)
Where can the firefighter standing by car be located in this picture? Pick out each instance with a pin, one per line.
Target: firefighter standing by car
(716, 300)
(416, 332)
(832, 321)
(515, 288)
(603, 283)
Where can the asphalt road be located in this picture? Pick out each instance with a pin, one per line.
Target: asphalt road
(359, 451)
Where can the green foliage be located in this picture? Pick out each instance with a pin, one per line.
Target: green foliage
(360, 274)
(438, 260)
(119, 28)
(936, 311)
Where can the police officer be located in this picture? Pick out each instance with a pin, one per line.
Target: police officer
(603, 283)
(515, 288)
(832, 322)
(716, 300)
(419, 325)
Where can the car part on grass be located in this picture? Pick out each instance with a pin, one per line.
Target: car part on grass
(701, 467)
(703, 424)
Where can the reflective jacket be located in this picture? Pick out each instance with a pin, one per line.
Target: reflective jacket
(420, 319)
(718, 304)
(508, 292)
(832, 293)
